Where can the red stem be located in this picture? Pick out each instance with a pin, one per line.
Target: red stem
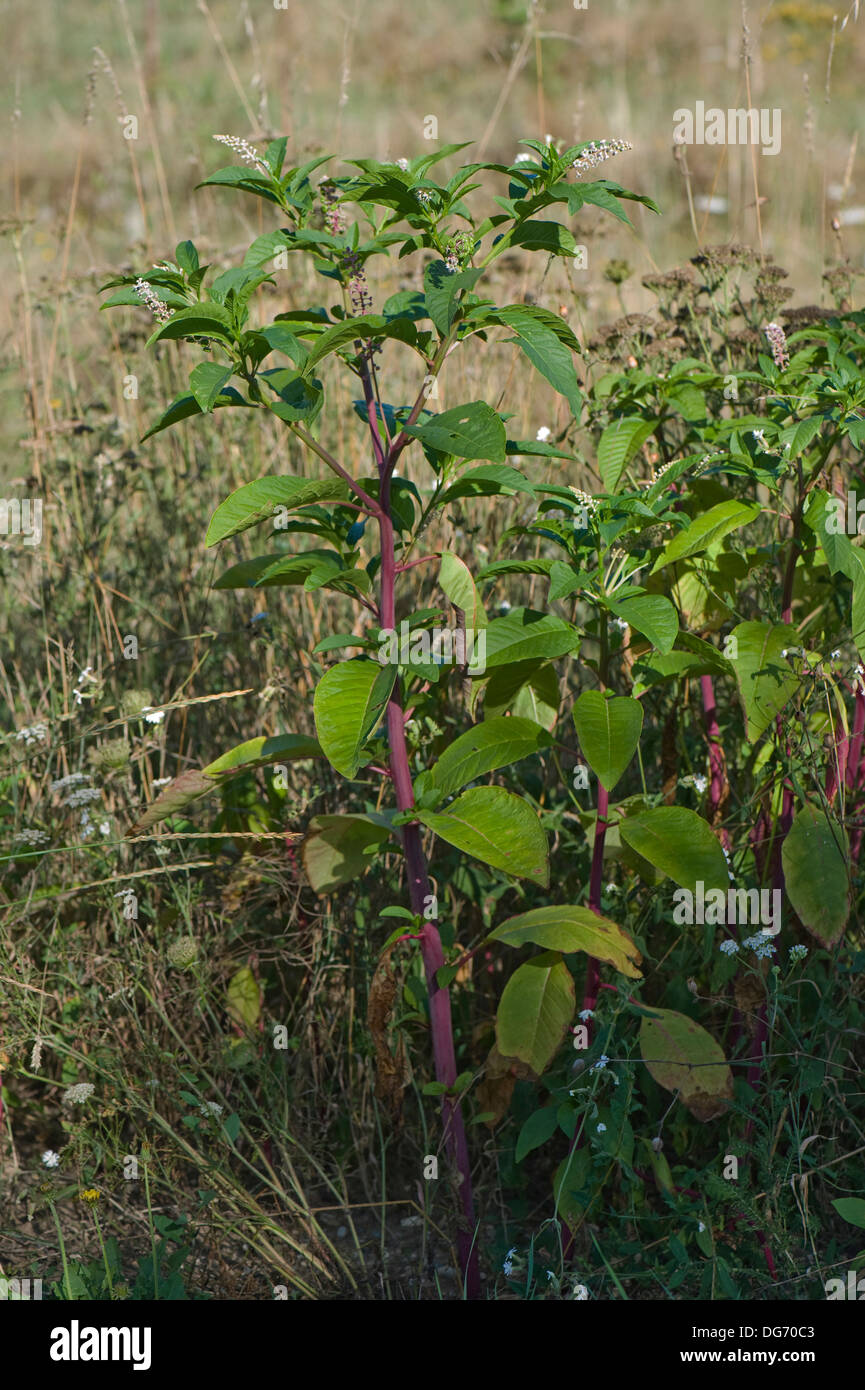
(420, 892)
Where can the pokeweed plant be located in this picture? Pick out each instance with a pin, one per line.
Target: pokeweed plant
(367, 528)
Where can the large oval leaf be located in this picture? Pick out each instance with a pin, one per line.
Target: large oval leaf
(651, 614)
(336, 849)
(618, 444)
(535, 1010)
(609, 730)
(683, 1057)
(260, 500)
(496, 827)
(815, 857)
(568, 929)
(349, 701)
(493, 744)
(679, 843)
(765, 678)
(525, 635)
(457, 583)
(472, 431)
(707, 529)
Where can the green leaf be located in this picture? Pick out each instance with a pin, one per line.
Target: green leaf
(190, 785)
(816, 859)
(247, 179)
(490, 480)
(537, 1129)
(363, 327)
(569, 929)
(681, 1056)
(349, 701)
(706, 530)
(185, 406)
(496, 827)
(535, 1010)
(609, 731)
(260, 752)
(544, 236)
(472, 431)
(200, 321)
(526, 688)
(765, 678)
(525, 634)
(258, 501)
(243, 999)
(335, 850)
(207, 381)
(851, 1209)
(651, 614)
(456, 582)
(619, 443)
(679, 843)
(441, 288)
(545, 351)
(493, 744)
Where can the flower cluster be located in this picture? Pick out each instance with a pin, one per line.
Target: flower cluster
(599, 151)
(31, 837)
(508, 1265)
(148, 296)
(777, 340)
(36, 733)
(458, 251)
(798, 952)
(729, 947)
(50, 1158)
(78, 1094)
(334, 217)
(760, 944)
(248, 154)
(585, 499)
(211, 1109)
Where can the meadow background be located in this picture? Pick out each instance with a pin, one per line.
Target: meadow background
(321, 1196)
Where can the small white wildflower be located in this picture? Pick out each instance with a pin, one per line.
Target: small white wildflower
(104, 827)
(36, 1055)
(581, 1293)
(586, 1014)
(509, 1258)
(798, 952)
(78, 1094)
(34, 733)
(32, 837)
(50, 1158)
(211, 1109)
(153, 716)
(835, 656)
(729, 947)
(148, 296)
(701, 1226)
(602, 1129)
(403, 163)
(620, 623)
(162, 781)
(81, 796)
(601, 1063)
(543, 434)
(244, 149)
(700, 784)
(72, 780)
(523, 157)
(599, 151)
